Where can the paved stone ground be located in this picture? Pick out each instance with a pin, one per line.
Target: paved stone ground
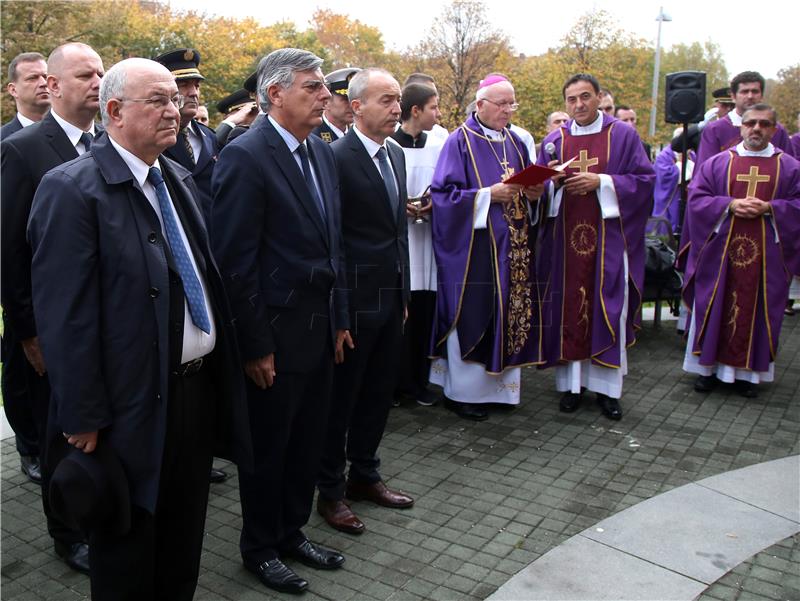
(491, 496)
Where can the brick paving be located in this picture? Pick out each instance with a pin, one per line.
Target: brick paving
(492, 496)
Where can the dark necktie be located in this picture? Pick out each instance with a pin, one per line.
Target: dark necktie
(388, 179)
(301, 150)
(86, 140)
(185, 135)
(191, 283)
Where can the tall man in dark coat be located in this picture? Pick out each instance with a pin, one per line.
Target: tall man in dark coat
(27, 84)
(196, 148)
(277, 235)
(74, 72)
(372, 177)
(137, 334)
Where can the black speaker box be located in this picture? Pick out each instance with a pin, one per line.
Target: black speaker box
(685, 97)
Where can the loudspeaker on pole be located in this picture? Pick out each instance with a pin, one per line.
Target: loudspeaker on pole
(685, 97)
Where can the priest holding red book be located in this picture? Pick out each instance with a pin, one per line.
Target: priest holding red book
(744, 225)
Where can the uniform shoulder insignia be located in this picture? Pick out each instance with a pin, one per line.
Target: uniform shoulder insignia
(326, 136)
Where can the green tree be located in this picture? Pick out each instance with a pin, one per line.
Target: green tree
(784, 95)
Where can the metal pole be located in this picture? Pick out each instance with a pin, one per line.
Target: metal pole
(656, 68)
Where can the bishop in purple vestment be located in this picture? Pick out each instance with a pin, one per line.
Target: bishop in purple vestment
(590, 259)
(744, 207)
(486, 321)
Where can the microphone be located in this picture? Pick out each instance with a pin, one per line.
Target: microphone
(550, 150)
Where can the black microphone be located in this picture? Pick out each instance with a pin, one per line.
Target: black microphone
(550, 150)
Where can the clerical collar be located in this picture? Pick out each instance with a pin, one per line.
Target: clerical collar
(73, 133)
(583, 130)
(488, 131)
(407, 141)
(735, 118)
(339, 133)
(743, 152)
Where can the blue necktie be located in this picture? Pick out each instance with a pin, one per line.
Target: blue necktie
(191, 283)
(388, 178)
(86, 140)
(301, 150)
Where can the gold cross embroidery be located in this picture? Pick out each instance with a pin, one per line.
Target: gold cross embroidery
(752, 179)
(584, 162)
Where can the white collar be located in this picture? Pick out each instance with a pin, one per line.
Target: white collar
(139, 169)
(287, 136)
(584, 130)
(335, 129)
(371, 145)
(735, 118)
(489, 132)
(743, 152)
(24, 121)
(73, 133)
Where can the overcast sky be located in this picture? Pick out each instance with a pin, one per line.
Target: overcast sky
(770, 34)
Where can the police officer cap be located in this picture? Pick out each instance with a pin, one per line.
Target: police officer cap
(722, 95)
(337, 81)
(182, 63)
(251, 82)
(234, 101)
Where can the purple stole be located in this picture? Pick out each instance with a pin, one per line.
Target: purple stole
(746, 265)
(582, 220)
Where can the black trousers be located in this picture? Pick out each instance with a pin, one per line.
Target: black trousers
(17, 380)
(415, 366)
(362, 395)
(159, 558)
(288, 428)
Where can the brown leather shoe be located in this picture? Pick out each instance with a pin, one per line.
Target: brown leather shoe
(339, 516)
(379, 494)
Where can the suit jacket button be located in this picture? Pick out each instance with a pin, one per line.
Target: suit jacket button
(154, 292)
(151, 237)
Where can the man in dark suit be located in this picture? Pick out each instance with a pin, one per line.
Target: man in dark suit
(239, 113)
(137, 334)
(372, 179)
(196, 148)
(277, 236)
(74, 72)
(27, 84)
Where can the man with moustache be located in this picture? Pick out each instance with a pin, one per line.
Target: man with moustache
(277, 236)
(338, 115)
(590, 264)
(137, 336)
(27, 84)
(196, 148)
(747, 89)
(74, 71)
(744, 216)
(372, 180)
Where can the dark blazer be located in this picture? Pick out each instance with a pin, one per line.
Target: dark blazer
(102, 290)
(325, 133)
(282, 263)
(24, 159)
(375, 238)
(204, 166)
(11, 127)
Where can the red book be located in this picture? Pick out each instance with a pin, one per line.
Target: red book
(535, 174)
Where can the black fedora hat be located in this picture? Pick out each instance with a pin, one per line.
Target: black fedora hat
(89, 491)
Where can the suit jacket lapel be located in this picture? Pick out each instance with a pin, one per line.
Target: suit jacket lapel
(206, 151)
(322, 177)
(371, 171)
(179, 154)
(294, 176)
(396, 159)
(58, 139)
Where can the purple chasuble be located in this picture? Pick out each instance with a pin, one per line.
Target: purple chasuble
(796, 145)
(740, 269)
(486, 289)
(633, 178)
(667, 193)
(722, 134)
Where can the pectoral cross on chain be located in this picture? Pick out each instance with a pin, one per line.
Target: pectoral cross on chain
(507, 171)
(584, 162)
(752, 179)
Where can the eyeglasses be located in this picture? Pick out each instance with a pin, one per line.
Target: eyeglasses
(762, 123)
(511, 106)
(159, 101)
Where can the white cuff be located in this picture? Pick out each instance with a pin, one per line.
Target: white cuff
(609, 204)
(482, 201)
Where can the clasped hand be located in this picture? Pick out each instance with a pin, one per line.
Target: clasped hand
(748, 207)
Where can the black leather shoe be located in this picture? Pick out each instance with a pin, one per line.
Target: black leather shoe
(31, 468)
(75, 555)
(746, 389)
(217, 476)
(467, 410)
(705, 383)
(315, 556)
(609, 407)
(569, 402)
(276, 575)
